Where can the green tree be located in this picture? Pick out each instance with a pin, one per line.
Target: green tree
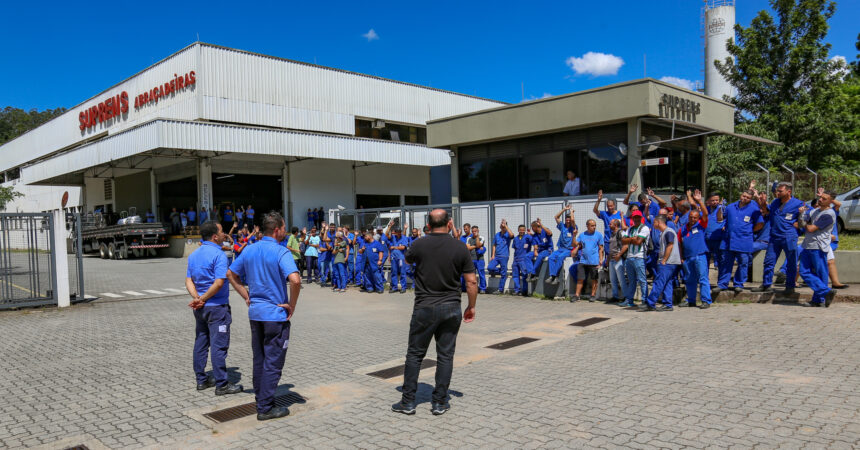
(789, 87)
(15, 121)
(7, 194)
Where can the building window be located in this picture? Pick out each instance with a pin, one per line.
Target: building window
(382, 130)
(473, 182)
(684, 170)
(504, 178)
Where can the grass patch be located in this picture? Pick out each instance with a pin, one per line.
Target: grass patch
(739, 301)
(849, 240)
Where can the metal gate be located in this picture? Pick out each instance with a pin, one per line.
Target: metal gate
(26, 260)
(74, 252)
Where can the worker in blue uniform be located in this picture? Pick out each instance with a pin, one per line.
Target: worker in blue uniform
(607, 217)
(715, 233)
(325, 258)
(522, 266)
(541, 246)
(694, 250)
(374, 258)
(464, 238)
(817, 225)
(781, 215)
(268, 268)
(500, 251)
(397, 245)
(150, 216)
(351, 273)
(410, 268)
(667, 266)
(564, 245)
(360, 259)
(743, 218)
(477, 249)
(383, 240)
(205, 280)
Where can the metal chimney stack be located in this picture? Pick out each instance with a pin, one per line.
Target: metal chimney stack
(719, 25)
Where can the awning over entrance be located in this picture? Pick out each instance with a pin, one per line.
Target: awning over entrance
(692, 130)
(162, 139)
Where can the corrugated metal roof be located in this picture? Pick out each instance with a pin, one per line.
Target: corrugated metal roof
(187, 135)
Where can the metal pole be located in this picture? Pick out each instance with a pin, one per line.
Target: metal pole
(815, 192)
(767, 189)
(79, 254)
(792, 174)
(53, 247)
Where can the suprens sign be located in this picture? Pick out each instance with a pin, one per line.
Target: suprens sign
(117, 105)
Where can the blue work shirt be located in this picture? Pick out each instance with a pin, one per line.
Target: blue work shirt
(835, 231)
(693, 240)
(266, 267)
(683, 220)
(204, 217)
(150, 218)
(607, 218)
(542, 241)
(228, 215)
(502, 244)
(589, 254)
(565, 238)
(653, 210)
(739, 226)
(250, 213)
(763, 235)
(782, 217)
(372, 251)
(396, 242)
(312, 216)
(385, 243)
(522, 247)
(192, 216)
(207, 264)
(715, 231)
(324, 250)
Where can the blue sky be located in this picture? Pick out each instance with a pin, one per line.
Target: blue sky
(61, 53)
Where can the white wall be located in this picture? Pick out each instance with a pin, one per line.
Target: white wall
(95, 193)
(42, 198)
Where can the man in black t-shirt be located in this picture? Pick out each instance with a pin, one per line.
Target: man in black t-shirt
(440, 260)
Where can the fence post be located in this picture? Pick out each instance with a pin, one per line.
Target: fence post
(815, 192)
(767, 188)
(60, 260)
(79, 255)
(792, 176)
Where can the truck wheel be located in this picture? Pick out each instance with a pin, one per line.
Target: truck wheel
(103, 253)
(112, 251)
(135, 252)
(123, 252)
(152, 252)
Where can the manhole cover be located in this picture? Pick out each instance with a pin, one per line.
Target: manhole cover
(512, 343)
(396, 371)
(238, 412)
(590, 321)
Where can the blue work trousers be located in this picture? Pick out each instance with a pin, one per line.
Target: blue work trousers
(729, 258)
(499, 266)
(773, 250)
(269, 342)
(398, 273)
(635, 268)
(340, 276)
(212, 332)
(813, 270)
(662, 285)
(482, 276)
(519, 273)
(538, 260)
(351, 273)
(410, 274)
(373, 278)
(359, 269)
(556, 261)
(697, 277)
(325, 267)
(715, 254)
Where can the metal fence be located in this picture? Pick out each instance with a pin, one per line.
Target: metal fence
(74, 223)
(26, 260)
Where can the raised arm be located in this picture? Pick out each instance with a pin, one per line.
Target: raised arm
(597, 203)
(660, 200)
(633, 188)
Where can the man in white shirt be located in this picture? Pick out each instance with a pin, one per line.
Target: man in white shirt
(572, 186)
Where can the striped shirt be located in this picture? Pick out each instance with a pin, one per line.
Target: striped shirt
(638, 251)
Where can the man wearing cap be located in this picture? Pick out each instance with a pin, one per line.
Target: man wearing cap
(268, 268)
(204, 280)
(636, 240)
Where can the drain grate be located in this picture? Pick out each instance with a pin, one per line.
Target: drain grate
(248, 409)
(396, 371)
(587, 322)
(512, 343)
(77, 447)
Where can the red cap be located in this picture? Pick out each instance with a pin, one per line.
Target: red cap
(636, 214)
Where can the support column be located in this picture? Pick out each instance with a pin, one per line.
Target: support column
(455, 176)
(204, 184)
(61, 260)
(634, 158)
(153, 194)
(285, 195)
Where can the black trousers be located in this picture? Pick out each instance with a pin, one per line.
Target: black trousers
(441, 322)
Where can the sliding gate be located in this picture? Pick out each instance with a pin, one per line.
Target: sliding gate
(27, 272)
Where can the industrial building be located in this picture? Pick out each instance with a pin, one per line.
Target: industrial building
(211, 125)
(645, 131)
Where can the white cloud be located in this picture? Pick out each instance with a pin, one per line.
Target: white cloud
(371, 35)
(841, 66)
(596, 64)
(684, 83)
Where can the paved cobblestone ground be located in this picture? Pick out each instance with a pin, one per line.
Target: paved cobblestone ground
(118, 374)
